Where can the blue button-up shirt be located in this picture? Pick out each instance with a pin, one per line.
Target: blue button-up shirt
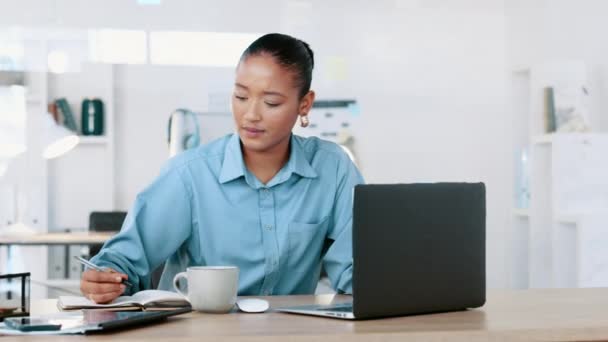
(206, 208)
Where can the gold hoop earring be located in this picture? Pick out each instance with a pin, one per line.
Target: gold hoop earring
(304, 122)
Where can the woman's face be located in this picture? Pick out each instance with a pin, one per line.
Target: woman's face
(266, 103)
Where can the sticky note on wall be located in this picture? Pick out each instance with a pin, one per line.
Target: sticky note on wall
(337, 68)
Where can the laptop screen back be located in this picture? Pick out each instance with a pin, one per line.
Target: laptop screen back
(418, 248)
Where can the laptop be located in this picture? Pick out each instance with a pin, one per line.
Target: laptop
(417, 248)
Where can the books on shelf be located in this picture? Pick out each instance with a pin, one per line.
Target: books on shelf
(565, 109)
(65, 111)
(566, 96)
(147, 300)
(550, 120)
(52, 109)
(570, 104)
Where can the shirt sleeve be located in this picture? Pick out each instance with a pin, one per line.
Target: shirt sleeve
(156, 226)
(338, 261)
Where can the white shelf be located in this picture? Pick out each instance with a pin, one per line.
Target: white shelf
(519, 212)
(567, 219)
(549, 138)
(59, 282)
(92, 140)
(543, 139)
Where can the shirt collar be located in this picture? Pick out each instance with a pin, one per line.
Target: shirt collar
(298, 163)
(233, 165)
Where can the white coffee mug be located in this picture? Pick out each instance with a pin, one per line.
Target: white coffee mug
(210, 288)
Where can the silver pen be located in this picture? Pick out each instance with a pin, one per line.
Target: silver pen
(100, 269)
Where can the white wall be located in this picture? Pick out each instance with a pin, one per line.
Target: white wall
(557, 30)
(431, 86)
(430, 82)
(145, 97)
(430, 77)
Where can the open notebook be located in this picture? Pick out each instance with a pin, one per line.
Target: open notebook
(149, 300)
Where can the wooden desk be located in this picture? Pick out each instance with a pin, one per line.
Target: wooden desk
(59, 238)
(539, 315)
(56, 239)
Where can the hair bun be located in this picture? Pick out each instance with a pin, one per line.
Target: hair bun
(310, 53)
(291, 53)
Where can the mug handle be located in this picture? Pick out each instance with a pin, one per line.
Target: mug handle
(176, 279)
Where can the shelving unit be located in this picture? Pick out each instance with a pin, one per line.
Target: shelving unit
(83, 180)
(31, 185)
(543, 139)
(567, 186)
(77, 183)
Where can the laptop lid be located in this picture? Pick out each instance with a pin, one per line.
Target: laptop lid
(418, 248)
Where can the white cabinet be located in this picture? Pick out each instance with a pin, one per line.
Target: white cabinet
(557, 241)
(24, 190)
(66, 189)
(568, 190)
(83, 180)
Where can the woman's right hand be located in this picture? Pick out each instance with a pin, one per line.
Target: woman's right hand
(102, 287)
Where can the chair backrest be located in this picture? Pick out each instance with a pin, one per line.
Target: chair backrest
(104, 221)
(111, 221)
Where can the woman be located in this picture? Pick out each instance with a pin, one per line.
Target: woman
(276, 205)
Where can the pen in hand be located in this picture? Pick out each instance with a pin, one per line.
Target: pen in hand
(97, 268)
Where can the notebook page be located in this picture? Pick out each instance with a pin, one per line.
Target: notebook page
(67, 302)
(157, 296)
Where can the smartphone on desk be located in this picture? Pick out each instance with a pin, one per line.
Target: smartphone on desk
(31, 324)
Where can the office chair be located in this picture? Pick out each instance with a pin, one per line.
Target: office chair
(112, 222)
(104, 221)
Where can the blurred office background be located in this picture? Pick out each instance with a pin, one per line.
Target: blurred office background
(437, 90)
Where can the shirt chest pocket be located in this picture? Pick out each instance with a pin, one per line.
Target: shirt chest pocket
(305, 244)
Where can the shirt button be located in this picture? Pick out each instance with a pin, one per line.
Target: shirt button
(268, 227)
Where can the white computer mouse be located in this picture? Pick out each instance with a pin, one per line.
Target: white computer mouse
(252, 305)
